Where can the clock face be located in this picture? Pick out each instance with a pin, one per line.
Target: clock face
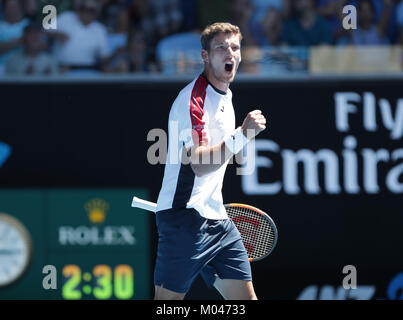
(15, 249)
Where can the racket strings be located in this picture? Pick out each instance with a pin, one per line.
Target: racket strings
(257, 231)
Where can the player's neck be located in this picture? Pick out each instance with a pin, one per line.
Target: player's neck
(220, 85)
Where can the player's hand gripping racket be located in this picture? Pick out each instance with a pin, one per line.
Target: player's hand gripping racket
(258, 231)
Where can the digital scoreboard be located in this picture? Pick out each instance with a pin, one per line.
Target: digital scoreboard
(97, 245)
(101, 283)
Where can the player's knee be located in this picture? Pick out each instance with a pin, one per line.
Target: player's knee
(235, 289)
(247, 294)
(159, 296)
(251, 293)
(165, 294)
(251, 296)
(241, 296)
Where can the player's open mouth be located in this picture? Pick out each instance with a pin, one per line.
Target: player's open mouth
(229, 66)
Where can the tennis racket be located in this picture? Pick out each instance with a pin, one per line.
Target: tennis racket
(258, 231)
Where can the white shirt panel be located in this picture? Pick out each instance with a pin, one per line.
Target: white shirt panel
(219, 123)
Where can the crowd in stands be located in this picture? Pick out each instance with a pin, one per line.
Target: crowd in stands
(128, 36)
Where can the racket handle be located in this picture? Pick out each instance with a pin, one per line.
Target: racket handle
(144, 204)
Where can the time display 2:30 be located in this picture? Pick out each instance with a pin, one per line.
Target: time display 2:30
(102, 283)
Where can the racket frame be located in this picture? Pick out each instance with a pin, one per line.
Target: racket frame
(265, 216)
(152, 207)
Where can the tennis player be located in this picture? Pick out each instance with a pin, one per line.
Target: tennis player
(195, 234)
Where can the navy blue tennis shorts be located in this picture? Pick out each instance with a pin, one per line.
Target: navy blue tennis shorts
(189, 245)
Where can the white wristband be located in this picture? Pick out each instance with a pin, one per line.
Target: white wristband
(236, 141)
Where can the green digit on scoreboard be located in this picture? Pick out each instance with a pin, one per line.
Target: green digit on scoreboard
(123, 276)
(73, 275)
(103, 275)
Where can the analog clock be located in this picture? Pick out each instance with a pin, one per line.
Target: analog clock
(15, 249)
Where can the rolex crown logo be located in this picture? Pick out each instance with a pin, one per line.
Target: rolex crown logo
(96, 210)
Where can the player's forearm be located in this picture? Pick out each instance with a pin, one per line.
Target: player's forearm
(205, 160)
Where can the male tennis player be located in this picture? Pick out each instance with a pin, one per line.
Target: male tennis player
(195, 234)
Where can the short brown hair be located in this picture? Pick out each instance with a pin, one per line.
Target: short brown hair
(219, 27)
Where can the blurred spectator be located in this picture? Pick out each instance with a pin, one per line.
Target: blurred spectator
(368, 32)
(33, 8)
(332, 10)
(110, 12)
(306, 27)
(251, 58)
(82, 42)
(180, 53)
(11, 30)
(268, 57)
(269, 31)
(162, 18)
(399, 17)
(32, 60)
(132, 58)
(379, 8)
(261, 7)
(61, 5)
(399, 14)
(210, 11)
(137, 10)
(116, 19)
(240, 14)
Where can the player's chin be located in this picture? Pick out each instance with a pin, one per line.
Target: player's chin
(229, 75)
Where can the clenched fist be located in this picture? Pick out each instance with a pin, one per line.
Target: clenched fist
(254, 123)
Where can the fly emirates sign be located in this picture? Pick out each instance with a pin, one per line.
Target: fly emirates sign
(374, 167)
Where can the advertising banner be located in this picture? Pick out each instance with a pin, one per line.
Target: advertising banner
(328, 170)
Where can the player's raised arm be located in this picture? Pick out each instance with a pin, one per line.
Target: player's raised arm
(206, 159)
